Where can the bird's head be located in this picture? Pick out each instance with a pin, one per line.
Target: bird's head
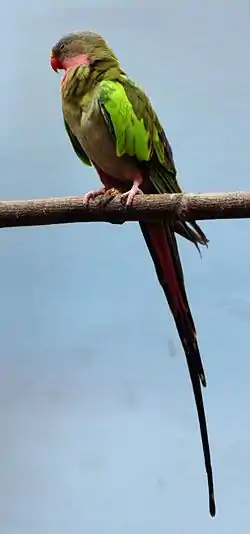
(80, 48)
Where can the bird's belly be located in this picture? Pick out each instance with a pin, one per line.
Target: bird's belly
(100, 148)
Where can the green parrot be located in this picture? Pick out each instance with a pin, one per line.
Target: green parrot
(113, 127)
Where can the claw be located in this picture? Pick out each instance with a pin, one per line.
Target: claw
(110, 195)
(94, 194)
(129, 195)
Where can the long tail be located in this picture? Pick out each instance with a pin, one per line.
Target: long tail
(162, 245)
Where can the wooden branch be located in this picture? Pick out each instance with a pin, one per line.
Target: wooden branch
(145, 207)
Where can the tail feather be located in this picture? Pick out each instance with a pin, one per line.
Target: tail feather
(162, 245)
(192, 232)
(179, 273)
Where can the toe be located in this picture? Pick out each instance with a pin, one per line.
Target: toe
(129, 200)
(87, 197)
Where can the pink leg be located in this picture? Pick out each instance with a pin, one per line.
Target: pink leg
(135, 190)
(94, 194)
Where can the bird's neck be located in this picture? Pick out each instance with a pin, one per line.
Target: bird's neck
(81, 78)
(76, 61)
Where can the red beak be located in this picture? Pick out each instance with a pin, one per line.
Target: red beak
(55, 63)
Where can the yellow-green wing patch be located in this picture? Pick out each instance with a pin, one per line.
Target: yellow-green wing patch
(162, 172)
(130, 133)
(137, 131)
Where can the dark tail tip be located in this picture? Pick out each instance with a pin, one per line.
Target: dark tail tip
(203, 380)
(212, 507)
(201, 237)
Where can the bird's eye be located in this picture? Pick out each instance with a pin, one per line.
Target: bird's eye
(62, 47)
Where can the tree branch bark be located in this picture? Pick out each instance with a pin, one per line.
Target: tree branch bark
(235, 205)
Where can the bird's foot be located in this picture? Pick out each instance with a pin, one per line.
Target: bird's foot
(109, 194)
(94, 194)
(106, 199)
(135, 190)
(106, 194)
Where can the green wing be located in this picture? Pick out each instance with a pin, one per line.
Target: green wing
(137, 131)
(76, 146)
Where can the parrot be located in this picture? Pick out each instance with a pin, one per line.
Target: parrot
(112, 127)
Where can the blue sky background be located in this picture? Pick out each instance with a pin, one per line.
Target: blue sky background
(98, 426)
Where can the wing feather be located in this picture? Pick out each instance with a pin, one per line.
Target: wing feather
(77, 146)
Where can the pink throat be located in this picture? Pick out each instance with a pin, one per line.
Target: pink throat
(75, 61)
